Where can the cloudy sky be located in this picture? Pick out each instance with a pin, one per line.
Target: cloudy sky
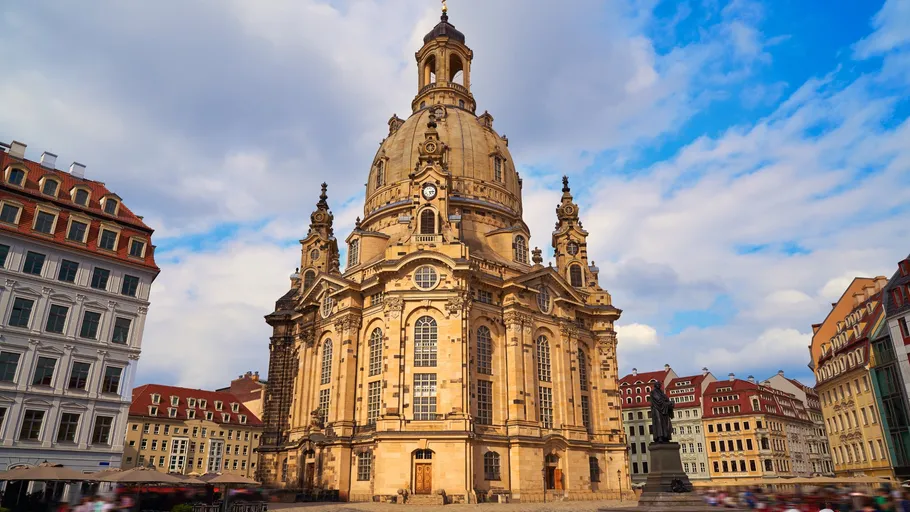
(737, 162)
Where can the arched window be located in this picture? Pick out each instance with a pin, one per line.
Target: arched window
(638, 399)
(376, 352)
(326, 362)
(425, 341)
(575, 276)
(354, 253)
(428, 222)
(543, 359)
(582, 370)
(629, 400)
(456, 70)
(327, 304)
(594, 469)
(491, 466)
(380, 173)
(628, 391)
(543, 299)
(497, 169)
(309, 277)
(521, 249)
(484, 350)
(429, 71)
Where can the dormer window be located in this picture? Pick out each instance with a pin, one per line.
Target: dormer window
(218, 404)
(202, 404)
(16, 176)
(49, 186)
(191, 402)
(225, 417)
(175, 400)
(209, 415)
(156, 399)
(137, 248)
(110, 206)
(354, 253)
(10, 212)
(172, 412)
(242, 419)
(45, 221)
(190, 414)
(108, 239)
(235, 407)
(81, 196)
(77, 230)
(153, 411)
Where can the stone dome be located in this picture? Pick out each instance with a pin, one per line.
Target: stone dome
(473, 148)
(444, 29)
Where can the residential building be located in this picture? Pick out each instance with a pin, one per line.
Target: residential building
(191, 431)
(635, 390)
(78, 266)
(747, 430)
(250, 390)
(818, 460)
(445, 358)
(841, 361)
(687, 393)
(891, 368)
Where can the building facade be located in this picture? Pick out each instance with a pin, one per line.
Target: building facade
(635, 390)
(445, 361)
(191, 431)
(817, 460)
(250, 390)
(842, 365)
(78, 267)
(687, 394)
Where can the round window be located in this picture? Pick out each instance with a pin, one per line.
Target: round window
(328, 303)
(572, 248)
(314, 254)
(426, 277)
(543, 299)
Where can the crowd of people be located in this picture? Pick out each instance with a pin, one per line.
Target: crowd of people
(123, 502)
(830, 499)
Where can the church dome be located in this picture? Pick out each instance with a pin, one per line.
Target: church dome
(444, 29)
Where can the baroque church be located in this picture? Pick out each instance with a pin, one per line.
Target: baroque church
(444, 363)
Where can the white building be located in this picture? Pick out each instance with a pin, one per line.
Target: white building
(76, 267)
(809, 451)
(686, 393)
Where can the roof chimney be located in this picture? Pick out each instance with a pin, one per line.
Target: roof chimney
(666, 367)
(634, 371)
(704, 371)
(766, 383)
(752, 379)
(780, 372)
(732, 376)
(48, 160)
(255, 376)
(77, 170)
(17, 149)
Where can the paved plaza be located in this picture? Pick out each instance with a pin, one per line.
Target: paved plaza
(559, 506)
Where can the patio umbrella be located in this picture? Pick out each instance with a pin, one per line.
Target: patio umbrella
(188, 479)
(45, 472)
(232, 480)
(140, 475)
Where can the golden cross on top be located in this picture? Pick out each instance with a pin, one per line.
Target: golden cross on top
(445, 8)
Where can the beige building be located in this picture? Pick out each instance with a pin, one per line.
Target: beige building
(191, 431)
(809, 443)
(250, 390)
(445, 362)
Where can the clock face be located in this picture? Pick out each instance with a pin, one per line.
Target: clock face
(430, 147)
(429, 191)
(572, 248)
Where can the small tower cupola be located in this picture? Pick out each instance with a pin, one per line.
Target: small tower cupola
(444, 69)
(319, 250)
(570, 242)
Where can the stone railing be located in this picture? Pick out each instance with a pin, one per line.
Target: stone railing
(428, 239)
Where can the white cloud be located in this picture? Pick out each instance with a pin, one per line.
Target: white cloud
(892, 30)
(635, 336)
(774, 346)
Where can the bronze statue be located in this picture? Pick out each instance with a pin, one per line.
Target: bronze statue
(661, 414)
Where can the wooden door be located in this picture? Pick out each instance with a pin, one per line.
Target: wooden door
(557, 479)
(424, 481)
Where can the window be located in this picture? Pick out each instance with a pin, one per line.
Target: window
(326, 362)
(428, 222)
(325, 399)
(77, 231)
(309, 277)
(16, 177)
(44, 222)
(634, 447)
(424, 396)
(218, 404)
(491, 466)
(546, 406)
(497, 169)
(31, 425)
(374, 390)
(10, 213)
(34, 263)
(79, 375)
(364, 466)
(586, 412)
(4, 252)
(485, 296)
(380, 173)
(68, 271)
(121, 330)
(130, 285)
(635, 467)
(44, 371)
(69, 422)
(425, 342)
(543, 299)
(327, 304)
(111, 383)
(22, 311)
(49, 188)
(137, 248)
(484, 351)
(425, 277)
(80, 197)
(376, 352)
(90, 322)
(484, 402)
(108, 239)
(99, 278)
(543, 359)
(9, 363)
(110, 206)
(582, 370)
(354, 253)
(521, 249)
(56, 319)
(575, 276)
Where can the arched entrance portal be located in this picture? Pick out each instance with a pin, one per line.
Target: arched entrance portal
(552, 472)
(423, 471)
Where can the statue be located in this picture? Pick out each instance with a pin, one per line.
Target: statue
(661, 414)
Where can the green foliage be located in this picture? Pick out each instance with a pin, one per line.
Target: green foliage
(4, 509)
(183, 507)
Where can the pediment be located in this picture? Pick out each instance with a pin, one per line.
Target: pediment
(7, 399)
(62, 297)
(95, 304)
(38, 402)
(322, 283)
(28, 291)
(47, 348)
(73, 405)
(550, 277)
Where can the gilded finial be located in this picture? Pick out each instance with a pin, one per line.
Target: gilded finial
(445, 8)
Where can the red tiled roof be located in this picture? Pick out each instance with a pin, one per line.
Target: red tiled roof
(867, 319)
(30, 195)
(695, 381)
(627, 388)
(142, 399)
(771, 401)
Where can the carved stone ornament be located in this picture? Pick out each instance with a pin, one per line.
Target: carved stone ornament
(47, 290)
(308, 337)
(393, 306)
(347, 324)
(11, 283)
(112, 304)
(80, 297)
(143, 310)
(568, 331)
(455, 305)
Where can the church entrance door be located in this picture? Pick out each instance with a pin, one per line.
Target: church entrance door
(424, 481)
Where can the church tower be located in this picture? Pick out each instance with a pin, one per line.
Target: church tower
(444, 363)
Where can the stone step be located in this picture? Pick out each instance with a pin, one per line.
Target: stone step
(425, 499)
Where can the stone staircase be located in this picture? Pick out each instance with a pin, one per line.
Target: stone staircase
(425, 499)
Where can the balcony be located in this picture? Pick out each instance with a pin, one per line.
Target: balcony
(428, 239)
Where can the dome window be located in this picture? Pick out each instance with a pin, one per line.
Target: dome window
(428, 222)
(354, 253)
(497, 169)
(575, 276)
(380, 174)
(521, 249)
(426, 277)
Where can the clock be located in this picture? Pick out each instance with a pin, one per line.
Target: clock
(572, 248)
(429, 191)
(430, 147)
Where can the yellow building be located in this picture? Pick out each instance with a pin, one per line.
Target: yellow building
(191, 431)
(841, 360)
(250, 390)
(445, 362)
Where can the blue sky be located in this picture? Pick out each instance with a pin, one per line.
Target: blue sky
(737, 162)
